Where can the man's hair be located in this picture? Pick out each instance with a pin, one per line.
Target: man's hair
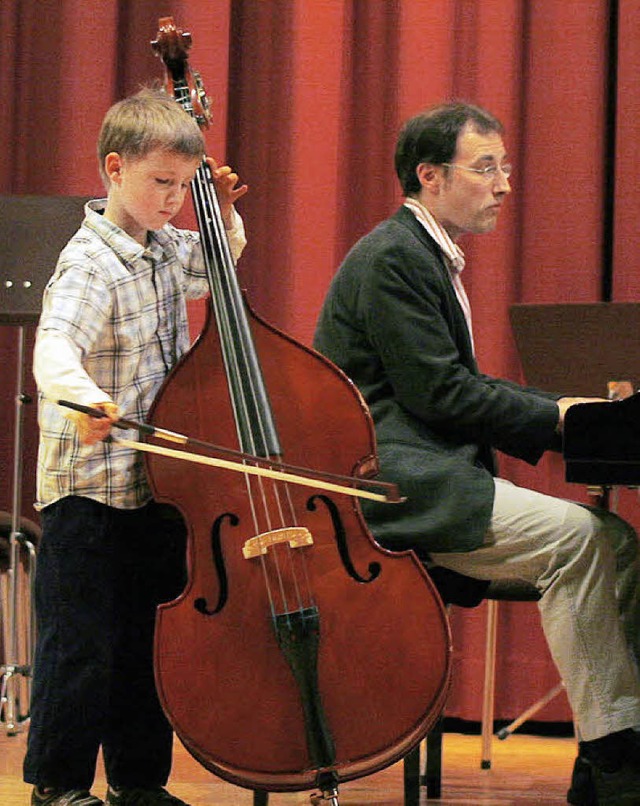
(148, 120)
(432, 136)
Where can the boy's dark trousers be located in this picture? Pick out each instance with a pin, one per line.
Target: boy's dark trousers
(100, 574)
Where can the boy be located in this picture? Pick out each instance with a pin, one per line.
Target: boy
(113, 325)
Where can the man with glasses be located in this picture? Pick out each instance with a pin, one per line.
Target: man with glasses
(397, 320)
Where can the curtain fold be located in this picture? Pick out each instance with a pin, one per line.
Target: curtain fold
(626, 257)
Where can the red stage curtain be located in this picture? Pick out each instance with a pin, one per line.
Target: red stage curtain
(308, 97)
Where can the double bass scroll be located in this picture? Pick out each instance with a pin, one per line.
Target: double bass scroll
(300, 652)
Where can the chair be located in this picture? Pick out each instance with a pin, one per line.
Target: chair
(494, 592)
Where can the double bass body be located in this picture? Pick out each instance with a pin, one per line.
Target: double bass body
(383, 653)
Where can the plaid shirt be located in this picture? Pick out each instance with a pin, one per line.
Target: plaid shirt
(122, 307)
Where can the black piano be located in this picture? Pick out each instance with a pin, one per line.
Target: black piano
(577, 349)
(601, 442)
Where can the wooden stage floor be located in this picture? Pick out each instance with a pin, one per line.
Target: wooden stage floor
(526, 770)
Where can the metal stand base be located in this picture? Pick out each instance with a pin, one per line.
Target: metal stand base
(18, 633)
(18, 620)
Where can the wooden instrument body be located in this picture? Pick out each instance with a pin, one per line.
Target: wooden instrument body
(384, 648)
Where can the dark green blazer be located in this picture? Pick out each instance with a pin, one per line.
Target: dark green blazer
(392, 322)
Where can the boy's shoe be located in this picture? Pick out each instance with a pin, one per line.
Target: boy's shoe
(141, 797)
(64, 797)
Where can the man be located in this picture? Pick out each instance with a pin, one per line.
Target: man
(397, 321)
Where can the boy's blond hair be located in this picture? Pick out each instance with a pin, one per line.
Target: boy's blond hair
(148, 120)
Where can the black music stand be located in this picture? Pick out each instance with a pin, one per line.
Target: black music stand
(576, 349)
(33, 230)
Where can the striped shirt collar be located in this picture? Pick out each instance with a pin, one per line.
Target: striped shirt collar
(454, 257)
(451, 250)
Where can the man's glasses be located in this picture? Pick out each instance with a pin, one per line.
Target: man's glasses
(490, 172)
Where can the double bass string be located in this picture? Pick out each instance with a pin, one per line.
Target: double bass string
(250, 405)
(249, 400)
(205, 199)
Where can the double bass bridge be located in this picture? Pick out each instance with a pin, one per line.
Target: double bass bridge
(296, 536)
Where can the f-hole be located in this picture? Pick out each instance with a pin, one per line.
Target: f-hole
(200, 604)
(341, 540)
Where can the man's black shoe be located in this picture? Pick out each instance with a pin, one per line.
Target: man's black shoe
(611, 751)
(582, 791)
(619, 788)
(614, 763)
(63, 797)
(141, 797)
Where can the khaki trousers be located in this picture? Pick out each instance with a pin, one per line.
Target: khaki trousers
(584, 562)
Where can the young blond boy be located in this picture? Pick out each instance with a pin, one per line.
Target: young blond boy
(113, 324)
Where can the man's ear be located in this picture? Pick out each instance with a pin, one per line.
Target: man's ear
(429, 176)
(113, 166)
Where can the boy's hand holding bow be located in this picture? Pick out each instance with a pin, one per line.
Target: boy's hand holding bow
(95, 429)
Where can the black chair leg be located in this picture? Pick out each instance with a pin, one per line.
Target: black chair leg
(411, 768)
(433, 768)
(260, 797)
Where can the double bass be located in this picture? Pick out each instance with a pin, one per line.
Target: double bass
(300, 653)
